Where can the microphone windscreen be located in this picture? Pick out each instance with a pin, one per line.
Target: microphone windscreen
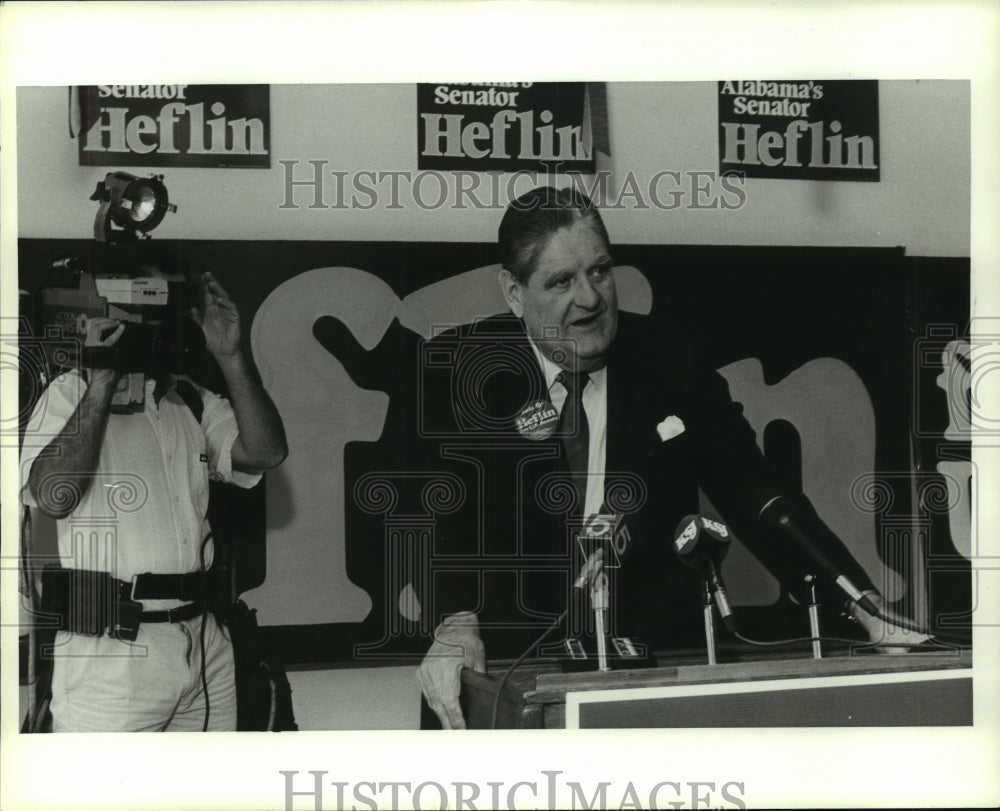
(699, 535)
(686, 537)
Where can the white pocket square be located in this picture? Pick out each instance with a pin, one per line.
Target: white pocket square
(669, 428)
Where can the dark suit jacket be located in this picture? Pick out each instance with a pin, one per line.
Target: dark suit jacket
(500, 544)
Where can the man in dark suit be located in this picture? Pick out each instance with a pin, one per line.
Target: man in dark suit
(560, 410)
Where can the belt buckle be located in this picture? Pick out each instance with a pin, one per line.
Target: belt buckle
(134, 581)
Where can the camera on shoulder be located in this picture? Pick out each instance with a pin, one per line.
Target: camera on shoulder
(125, 283)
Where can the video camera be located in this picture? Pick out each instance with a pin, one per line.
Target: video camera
(160, 335)
(118, 281)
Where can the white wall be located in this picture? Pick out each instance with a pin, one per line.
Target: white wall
(922, 201)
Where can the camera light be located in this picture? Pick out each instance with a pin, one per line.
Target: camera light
(136, 205)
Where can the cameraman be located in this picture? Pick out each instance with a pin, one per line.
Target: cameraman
(151, 536)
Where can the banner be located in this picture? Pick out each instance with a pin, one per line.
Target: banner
(205, 126)
(804, 130)
(506, 126)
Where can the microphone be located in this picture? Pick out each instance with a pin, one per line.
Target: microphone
(701, 543)
(597, 535)
(605, 540)
(779, 513)
(592, 566)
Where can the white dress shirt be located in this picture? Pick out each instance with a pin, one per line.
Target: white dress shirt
(145, 509)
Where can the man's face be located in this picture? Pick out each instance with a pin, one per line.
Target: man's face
(570, 296)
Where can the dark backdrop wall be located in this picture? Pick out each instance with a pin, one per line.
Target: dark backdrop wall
(334, 329)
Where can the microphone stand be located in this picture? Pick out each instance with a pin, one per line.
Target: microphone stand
(708, 613)
(599, 600)
(607, 652)
(817, 647)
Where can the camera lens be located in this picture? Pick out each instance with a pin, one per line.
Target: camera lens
(178, 346)
(175, 346)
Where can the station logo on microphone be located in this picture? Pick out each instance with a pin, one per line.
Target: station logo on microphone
(802, 129)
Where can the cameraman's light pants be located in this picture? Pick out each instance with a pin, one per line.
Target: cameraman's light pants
(154, 684)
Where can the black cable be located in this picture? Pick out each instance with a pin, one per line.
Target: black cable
(856, 642)
(795, 640)
(204, 622)
(946, 642)
(904, 622)
(518, 661)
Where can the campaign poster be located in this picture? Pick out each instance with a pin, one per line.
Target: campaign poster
(505, 126)
(173, 125)
(799, 130)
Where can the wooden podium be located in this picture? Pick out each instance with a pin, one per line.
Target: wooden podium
(869, 689)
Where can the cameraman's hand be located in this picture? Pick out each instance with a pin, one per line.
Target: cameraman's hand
(219, 319)
(456, 645)
(103, 332)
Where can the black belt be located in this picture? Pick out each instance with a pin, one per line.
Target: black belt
(149, 586)
(187, 587)
(89, 602)
(179, 614)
